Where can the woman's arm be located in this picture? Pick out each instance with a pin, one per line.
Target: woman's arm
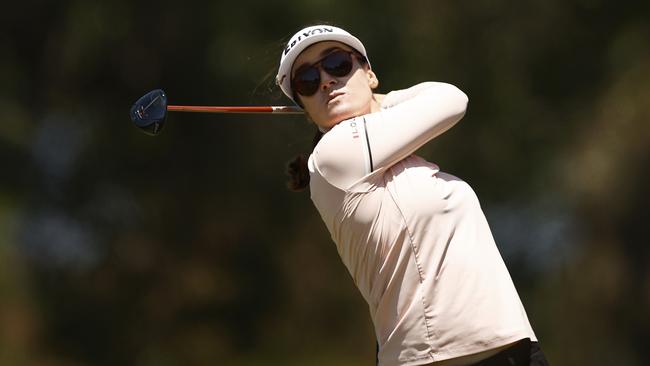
(407, 120)
(411, 118)
(398, 96)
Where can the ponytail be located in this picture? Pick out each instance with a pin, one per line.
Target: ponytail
(297, 168)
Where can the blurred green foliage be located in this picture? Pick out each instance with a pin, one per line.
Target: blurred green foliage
(186, 249)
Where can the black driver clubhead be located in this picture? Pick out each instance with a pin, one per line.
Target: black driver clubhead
(150, 111)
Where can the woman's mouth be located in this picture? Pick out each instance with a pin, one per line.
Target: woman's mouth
(334, 96)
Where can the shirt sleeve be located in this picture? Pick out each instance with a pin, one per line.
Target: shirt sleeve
(408, 119)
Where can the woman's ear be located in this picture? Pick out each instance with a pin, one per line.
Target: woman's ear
(373, 82)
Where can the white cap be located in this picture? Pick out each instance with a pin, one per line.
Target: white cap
(305, 38)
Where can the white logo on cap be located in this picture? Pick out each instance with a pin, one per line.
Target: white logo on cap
(305, 35)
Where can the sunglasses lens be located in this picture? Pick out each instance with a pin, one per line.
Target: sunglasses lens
(338, 63)
(306, 82)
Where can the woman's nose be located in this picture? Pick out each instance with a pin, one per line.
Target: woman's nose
(326, 80)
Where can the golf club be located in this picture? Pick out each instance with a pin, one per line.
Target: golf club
(150, 111)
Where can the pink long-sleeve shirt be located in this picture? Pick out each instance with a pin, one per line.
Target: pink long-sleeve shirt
(413, 238)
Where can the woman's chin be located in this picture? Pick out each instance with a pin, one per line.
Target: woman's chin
(339, 114)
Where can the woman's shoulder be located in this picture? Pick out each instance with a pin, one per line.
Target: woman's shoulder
(342, 156)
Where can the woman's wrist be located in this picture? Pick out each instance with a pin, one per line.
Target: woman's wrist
(396, 97)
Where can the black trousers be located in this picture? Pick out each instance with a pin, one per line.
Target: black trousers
(522, 353)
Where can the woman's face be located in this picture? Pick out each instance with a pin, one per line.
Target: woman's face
(337, 98)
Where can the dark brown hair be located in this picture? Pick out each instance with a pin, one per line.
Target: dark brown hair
(297, 168)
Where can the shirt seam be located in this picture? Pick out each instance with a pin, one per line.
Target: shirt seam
(420, 273)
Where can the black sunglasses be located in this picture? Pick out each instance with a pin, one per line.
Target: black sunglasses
(338, 63)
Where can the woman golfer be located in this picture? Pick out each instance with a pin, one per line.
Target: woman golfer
(414, 239)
